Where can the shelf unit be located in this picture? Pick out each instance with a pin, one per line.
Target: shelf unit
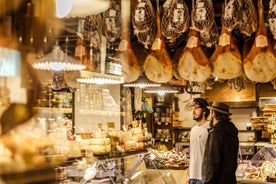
(162, 119)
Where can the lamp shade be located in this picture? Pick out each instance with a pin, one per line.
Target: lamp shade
(82, 8)
(10, 62)
(57, 61)
(98, 78)
(162, 90)
(142, 82)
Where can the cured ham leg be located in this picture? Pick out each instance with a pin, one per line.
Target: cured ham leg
(158, 65)
(260, 63)
(226, 59)
(203, 15)
(143, 22)
(193, 64)
(130, 65)
(175, 19)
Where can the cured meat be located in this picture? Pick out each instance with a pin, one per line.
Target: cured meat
(130, 65)
(231, 15)
(143, 21)
(175, 19)
(248, 24)
(147, 38)
(203, 15)
(193, 64)
(112, 22)
(272, 17)
(158, 65)
(226, 59)
(143, 16)
(210, 38)
(260, 63)
(93, 28)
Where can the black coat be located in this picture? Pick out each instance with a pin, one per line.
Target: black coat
(221, 154)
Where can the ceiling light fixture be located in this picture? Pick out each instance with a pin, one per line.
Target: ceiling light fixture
(57, 60)
(162, 90)
(80, 8)
(142, 82)
(98, 78)
(63, 8)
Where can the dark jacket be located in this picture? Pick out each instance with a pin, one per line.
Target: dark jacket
(221, 154)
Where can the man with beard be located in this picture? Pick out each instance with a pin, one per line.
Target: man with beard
(198, 138)
(221, 151)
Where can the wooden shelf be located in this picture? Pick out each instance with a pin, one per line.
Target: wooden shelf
(54, 109)
(99, 112)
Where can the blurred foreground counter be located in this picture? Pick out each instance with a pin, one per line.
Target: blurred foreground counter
(38, 175)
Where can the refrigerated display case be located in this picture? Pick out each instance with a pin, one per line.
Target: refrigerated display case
(131, 167)
(261, 168)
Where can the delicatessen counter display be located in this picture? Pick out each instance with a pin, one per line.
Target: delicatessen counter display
(261, 168)
(111, 156)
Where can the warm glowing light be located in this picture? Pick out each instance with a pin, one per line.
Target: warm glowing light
(63, 7)
(88, 77)
(57, 61)
(10, 62)
(142, 82)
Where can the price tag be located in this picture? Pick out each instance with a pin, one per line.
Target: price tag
(224, 39)
(112, 13)
(156, 44)
(261, 41)
(178, 15)
(192, 42)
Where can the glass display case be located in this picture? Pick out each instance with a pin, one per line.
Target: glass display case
(261, 168)
(131, 167)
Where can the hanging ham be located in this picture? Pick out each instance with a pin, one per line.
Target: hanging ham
(203, 15)
(175, 18)
(143, 16)
(193, 64)
(248, 24)
(147, 38)
(93, 28)
(272, 17)
(210, 38)
(158, 65)
(143, 22)
(112, 22)
(260, 63)
(226, 59)
(231, 15)
(130, 65)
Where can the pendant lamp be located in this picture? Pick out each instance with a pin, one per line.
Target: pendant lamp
(162, 90)
(142, 82)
